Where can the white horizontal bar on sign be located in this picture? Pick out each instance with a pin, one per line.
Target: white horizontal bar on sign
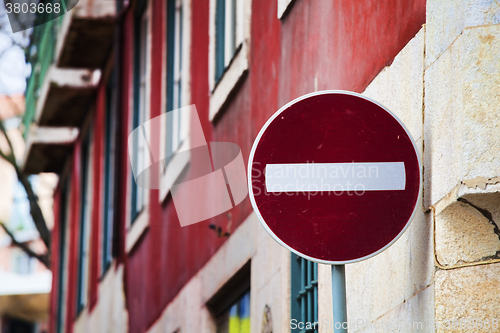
(324, 177)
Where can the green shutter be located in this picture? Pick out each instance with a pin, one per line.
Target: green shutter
(141, 6)
(220, 18)
(170, 72)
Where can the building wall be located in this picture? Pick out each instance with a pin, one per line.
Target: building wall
(461, 133)
(329, 37)
(440, 79)
(396, 287)
(393, 288)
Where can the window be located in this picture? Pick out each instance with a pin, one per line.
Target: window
(229, 41)
(176, 132)
(225, 34)
(140, 111)
(83, 244)
(138, 216)
(236, 319)
(176, 121)
(230, 306)
(109, 173)
(304, 293)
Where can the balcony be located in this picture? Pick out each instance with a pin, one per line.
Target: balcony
(47, 149)
(67, 56)
(91, 22)
(65, 97)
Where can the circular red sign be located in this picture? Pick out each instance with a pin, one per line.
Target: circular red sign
(343, 177)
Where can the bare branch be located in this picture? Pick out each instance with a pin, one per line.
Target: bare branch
(4, 131)
(43, 258)
(35, 210)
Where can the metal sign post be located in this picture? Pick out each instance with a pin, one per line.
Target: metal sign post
(339, 299)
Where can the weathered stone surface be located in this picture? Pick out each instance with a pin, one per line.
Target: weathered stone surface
(467, 294)
(382, 283)
(462, 94)
(325, 304)
(421, 253)
(464, 235)
(414, 315)
(400, 87)
(377, 286)
(271, 260)
(270, 295)
(446, 20)
(270, 280)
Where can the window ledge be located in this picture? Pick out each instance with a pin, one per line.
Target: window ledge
(174, 169)
(135, 231)
(229, 81)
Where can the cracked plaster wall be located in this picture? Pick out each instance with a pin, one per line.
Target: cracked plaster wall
(461, 160)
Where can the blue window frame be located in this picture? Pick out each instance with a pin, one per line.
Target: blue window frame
(220, 19)
(304, 293)
(225, 35)
(174, 74)
(141, 57)
(109, 173)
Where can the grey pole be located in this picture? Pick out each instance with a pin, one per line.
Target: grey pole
(339, 299)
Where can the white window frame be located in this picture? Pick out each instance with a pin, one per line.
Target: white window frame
(236, 64)
(283, 7)
(88, 221)
(85, 210)
(141, 221)
(172, 170)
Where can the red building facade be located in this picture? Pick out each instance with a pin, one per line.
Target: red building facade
(311, 45)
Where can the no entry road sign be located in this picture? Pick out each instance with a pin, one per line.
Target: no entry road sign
(334, 177)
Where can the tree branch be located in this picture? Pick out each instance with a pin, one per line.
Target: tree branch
(43, 258)
(4, 131)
